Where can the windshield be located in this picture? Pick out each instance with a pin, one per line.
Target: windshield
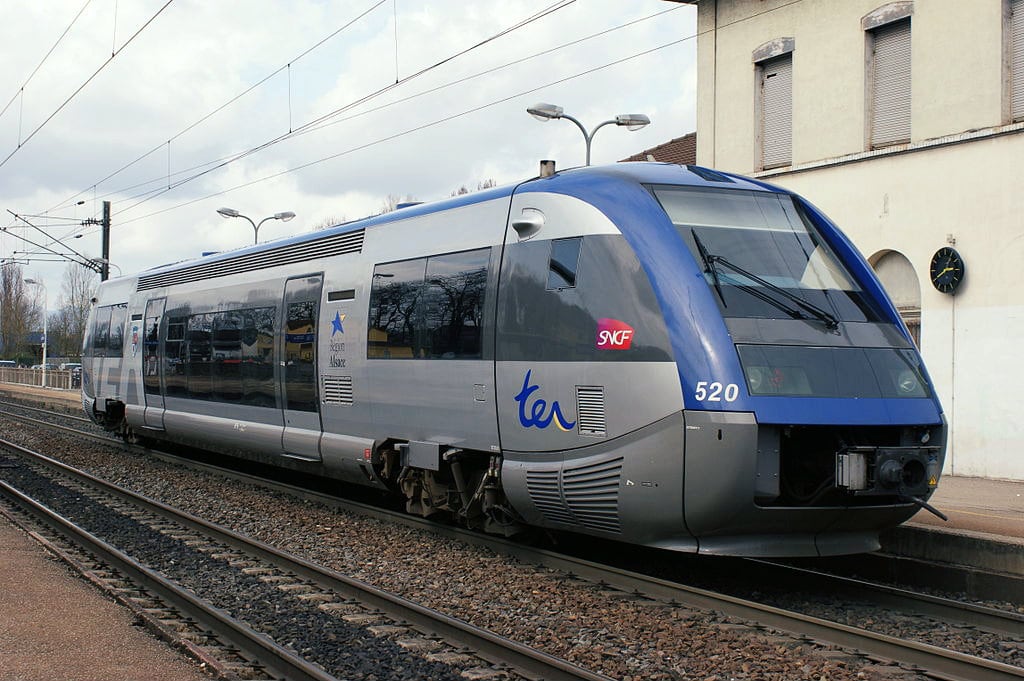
(763, 256)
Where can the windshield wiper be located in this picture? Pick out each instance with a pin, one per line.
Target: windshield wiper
(709, 265)
(821, 315)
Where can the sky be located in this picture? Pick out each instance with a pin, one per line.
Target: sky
(171, 109)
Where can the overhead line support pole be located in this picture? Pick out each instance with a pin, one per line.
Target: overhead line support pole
(105, 268)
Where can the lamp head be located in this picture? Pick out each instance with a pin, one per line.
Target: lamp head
(632, 121)
(285, 216)
(228, 212)
(544, 112)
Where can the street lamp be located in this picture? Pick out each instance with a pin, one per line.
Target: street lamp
(39, 283)
(545, 112)
(232, 213)
(106, 261)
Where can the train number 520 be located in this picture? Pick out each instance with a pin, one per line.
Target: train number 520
(714, 391)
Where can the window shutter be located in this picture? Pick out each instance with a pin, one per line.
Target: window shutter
(777, 112)
(890, 119)
(1017, 59)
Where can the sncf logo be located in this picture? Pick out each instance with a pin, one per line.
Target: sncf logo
(614, 335)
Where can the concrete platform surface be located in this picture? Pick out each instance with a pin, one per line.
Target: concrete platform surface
(69, 398)
(977, 505)
(55, 627)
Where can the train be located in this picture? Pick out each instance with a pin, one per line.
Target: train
(659, 354)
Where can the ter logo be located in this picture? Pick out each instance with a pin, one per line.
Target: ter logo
(614, 335)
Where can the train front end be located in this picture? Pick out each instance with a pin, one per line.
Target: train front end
(811, 416)
(810, 423)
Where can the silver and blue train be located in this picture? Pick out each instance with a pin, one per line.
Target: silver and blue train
(660, 354)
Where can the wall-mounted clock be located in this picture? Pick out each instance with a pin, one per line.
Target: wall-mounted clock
(947, 270)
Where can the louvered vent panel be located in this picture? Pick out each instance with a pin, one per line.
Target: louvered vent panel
(337, 390)
(543, 489)
(339, 244)
(592, 494)
(590, 410)
(890, 122)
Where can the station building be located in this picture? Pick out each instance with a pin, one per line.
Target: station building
(904, 122)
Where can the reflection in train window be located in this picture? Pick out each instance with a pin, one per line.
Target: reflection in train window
(563, 264)
(429, 308)
(300, 355)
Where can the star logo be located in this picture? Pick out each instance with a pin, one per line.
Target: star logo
(336, 326)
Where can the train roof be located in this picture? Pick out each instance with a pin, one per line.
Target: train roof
(562, 182)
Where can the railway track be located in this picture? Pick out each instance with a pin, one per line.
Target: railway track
(467, 649)
(938, 662)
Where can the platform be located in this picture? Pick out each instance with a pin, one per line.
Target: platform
(56, 627)
(985, 527)
(71, 399)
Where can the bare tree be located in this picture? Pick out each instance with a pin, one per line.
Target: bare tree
(18, 313)
(393, 201)
(483, 184)
(329, 222)
(67, 325)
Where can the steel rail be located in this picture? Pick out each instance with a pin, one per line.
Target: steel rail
(990, 619)
(488, 645)
(276, 659)
(940, 663)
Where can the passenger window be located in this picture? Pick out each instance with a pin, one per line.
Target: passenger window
(394, 299)
(101, 337)
(428, 308)
(115, 343)
(453, 305)
(257, 358)
(226, 346)
(300, 355)
(564, 263)
(197, 371)
(174, 357)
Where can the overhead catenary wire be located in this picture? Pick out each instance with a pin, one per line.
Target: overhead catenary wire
(792, 2)
(21, 90)
(22, 143)
(388, 138)
(333, 118)
(558, 5)
(202, 119)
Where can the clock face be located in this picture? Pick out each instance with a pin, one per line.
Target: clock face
(946, 270)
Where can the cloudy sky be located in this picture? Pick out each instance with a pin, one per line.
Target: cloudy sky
(171, 109)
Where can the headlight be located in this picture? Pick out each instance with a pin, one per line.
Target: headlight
(755, 378)
(907, 383)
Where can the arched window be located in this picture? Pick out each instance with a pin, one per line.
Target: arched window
(901, 283)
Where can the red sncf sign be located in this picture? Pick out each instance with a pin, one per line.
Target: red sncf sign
(613, 334)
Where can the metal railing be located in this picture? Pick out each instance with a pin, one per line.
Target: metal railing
(55, 378)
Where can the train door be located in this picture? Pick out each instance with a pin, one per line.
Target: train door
(301, 403)
(152, 373)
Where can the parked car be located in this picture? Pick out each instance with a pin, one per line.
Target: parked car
(71, 366)
(49, 367)
(8, 364)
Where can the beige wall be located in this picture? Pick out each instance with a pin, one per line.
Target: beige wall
(907, 199)
(957, 73)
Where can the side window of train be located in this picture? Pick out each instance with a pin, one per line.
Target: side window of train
(300, 355)
(564, 263)
(428, 308)
(115, 342)
(174, 356)
(101, 333)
